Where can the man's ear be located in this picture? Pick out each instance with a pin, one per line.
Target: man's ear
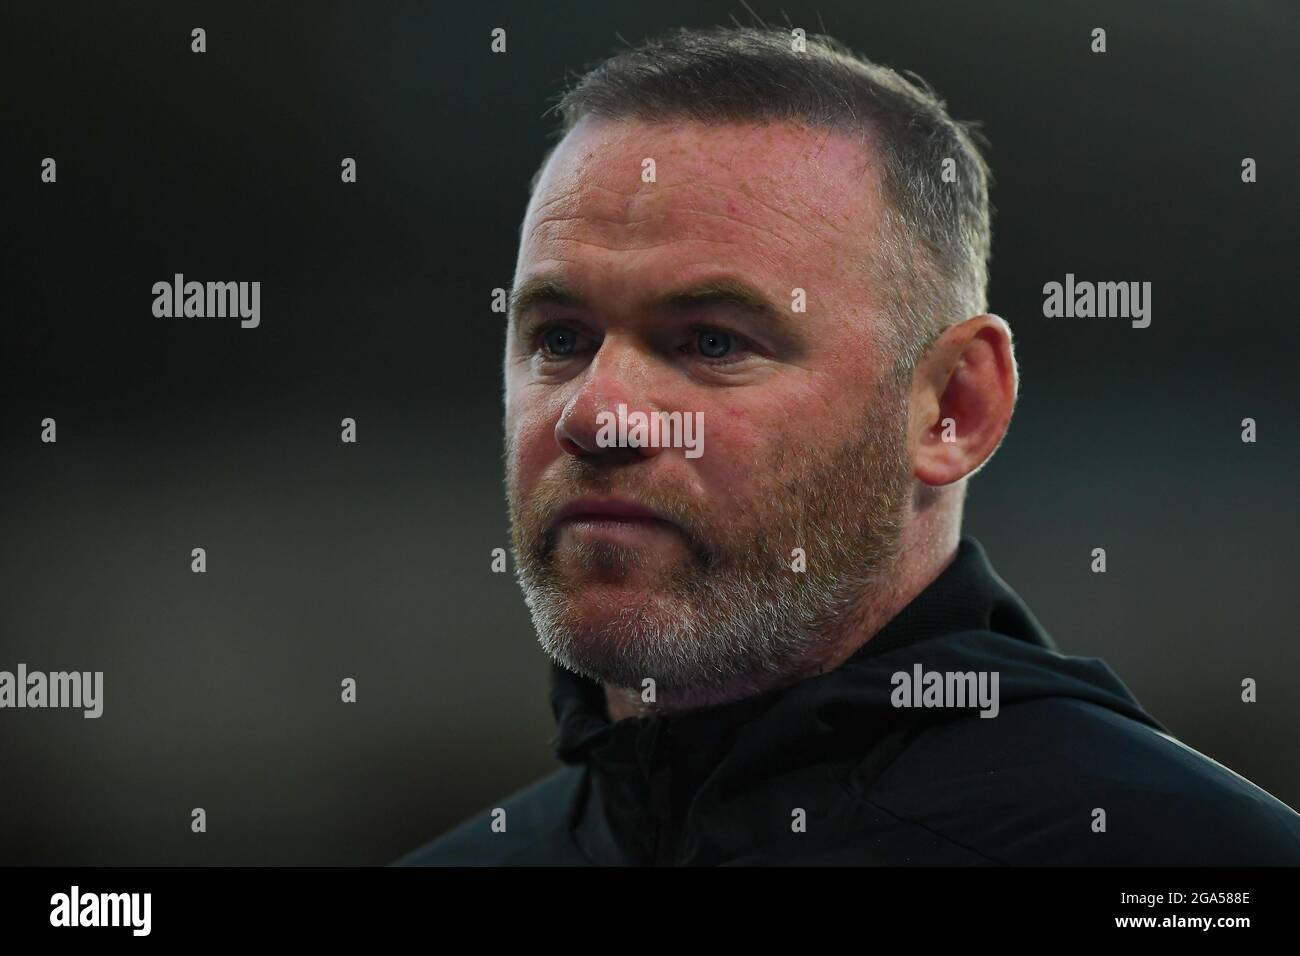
(963, 392)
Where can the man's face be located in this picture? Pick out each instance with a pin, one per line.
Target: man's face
(737, 559)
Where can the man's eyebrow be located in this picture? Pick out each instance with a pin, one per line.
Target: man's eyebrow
(549, 290)
(731, 292)
(540, 290)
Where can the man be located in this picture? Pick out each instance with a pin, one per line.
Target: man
(772, 643)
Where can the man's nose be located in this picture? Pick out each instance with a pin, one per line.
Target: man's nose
(614, 385)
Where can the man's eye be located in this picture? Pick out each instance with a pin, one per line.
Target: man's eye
(559, 340)
(714, 343)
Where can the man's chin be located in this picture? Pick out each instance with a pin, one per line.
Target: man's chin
(600, 606)
(607, 631)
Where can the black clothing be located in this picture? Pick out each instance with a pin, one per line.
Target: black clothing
(885, 784)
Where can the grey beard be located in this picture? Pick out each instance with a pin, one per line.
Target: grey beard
(737, 615)
(731, 628)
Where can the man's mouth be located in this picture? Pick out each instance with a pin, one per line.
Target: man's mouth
(610, 511)
(617, 521)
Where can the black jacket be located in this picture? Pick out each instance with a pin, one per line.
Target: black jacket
(884, 784)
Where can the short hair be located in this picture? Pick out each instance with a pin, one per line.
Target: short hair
(932, 262)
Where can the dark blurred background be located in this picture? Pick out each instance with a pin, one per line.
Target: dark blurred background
(372, 560)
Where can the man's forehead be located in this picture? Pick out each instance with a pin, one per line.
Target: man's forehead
(785, 176)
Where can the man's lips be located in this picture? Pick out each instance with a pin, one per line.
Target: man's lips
(619, 510)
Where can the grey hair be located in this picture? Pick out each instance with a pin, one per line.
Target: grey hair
(933, 254)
